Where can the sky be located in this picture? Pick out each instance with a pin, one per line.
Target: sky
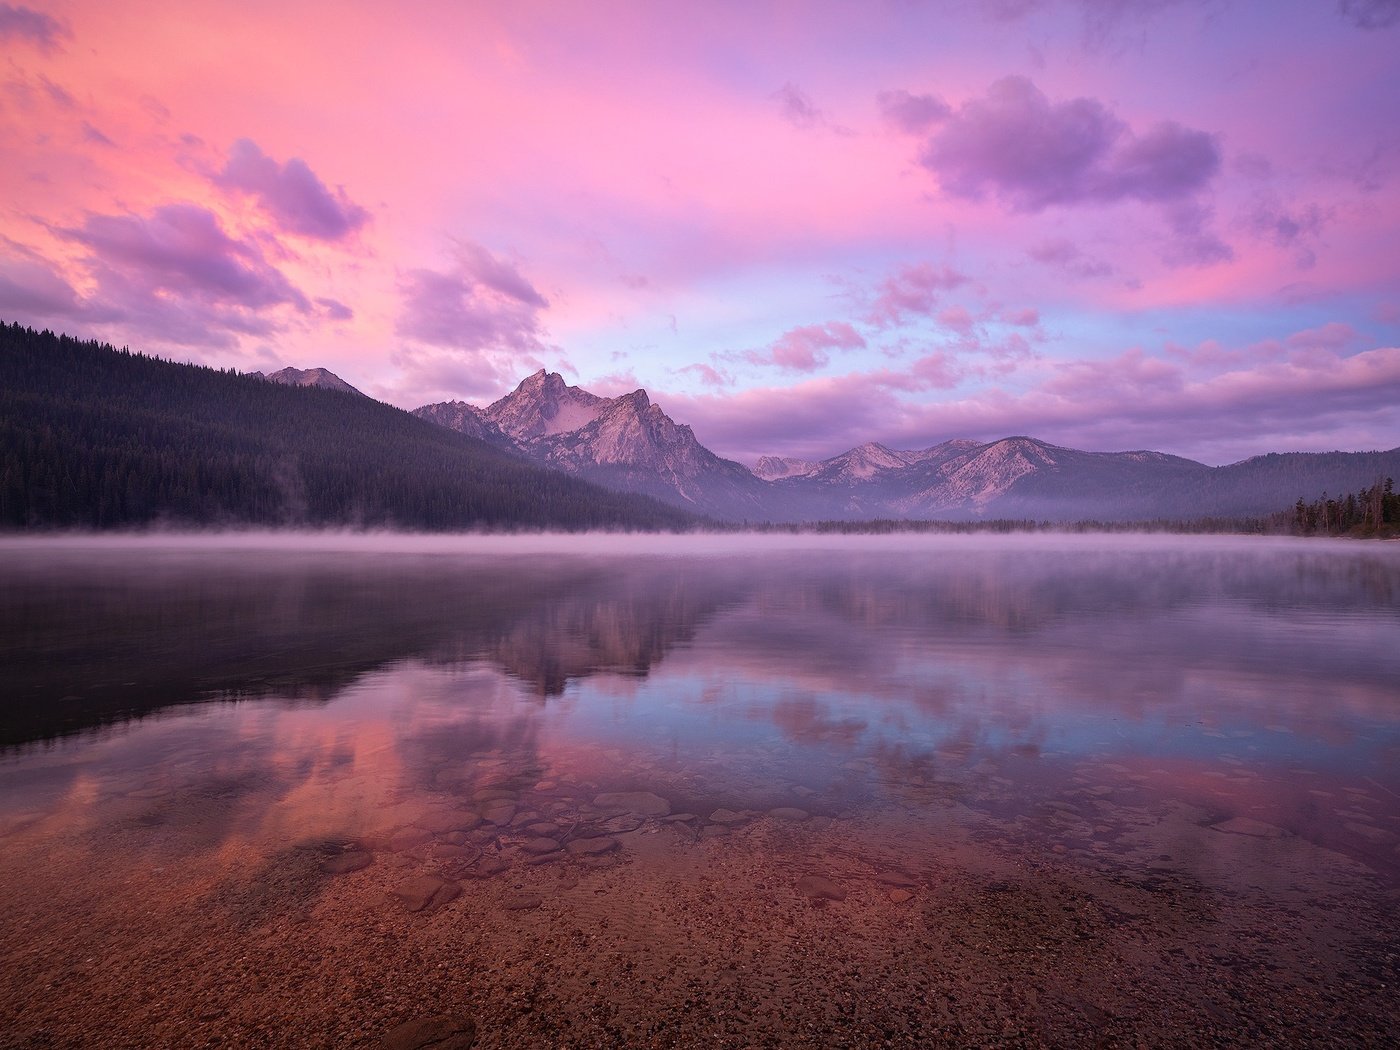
(1108, 224)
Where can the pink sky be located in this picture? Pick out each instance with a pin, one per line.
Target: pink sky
(1111, 224)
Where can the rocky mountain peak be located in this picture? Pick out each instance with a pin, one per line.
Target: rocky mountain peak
(316, 377)
(543, 404)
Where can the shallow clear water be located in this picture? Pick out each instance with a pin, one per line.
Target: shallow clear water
(1113, 701)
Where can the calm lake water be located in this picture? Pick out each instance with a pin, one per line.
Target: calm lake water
(1184, 752)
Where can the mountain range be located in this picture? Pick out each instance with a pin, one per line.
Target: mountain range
(630, 444)
(95, 437)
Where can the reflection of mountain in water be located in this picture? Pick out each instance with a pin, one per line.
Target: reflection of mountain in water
(85, 640)
(86, 643)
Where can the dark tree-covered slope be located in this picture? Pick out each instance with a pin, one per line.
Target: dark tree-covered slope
(92, 437)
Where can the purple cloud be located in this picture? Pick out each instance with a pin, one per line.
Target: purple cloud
(913, 290)
(1193, 244)
(24, 24)
(33, 292)
(173, 276)
(1370, 14)
(1064, 255)
(796, 108)
(429, 374)
(820, 417)
(95, 136)
(57, 93)
(291, 193)
(335, 310)
(1288, 227)
(182, 250)
(1032, 154)
(481, 304)
(911, 113)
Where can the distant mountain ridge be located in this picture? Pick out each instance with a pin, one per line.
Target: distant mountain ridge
(629, 443)
(322, 378)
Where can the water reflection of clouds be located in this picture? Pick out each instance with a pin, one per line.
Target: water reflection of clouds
(964, 655)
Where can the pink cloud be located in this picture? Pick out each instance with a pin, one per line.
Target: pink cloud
(708, 375)
(913, 289)
(805, 349)
(956, 318)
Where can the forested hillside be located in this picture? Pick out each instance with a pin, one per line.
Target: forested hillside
(93, 437)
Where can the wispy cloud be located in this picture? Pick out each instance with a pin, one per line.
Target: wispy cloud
(25, 25)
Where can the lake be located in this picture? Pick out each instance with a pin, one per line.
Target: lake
(342, 790)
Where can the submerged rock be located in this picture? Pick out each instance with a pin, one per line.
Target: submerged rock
(499, 812)
(1249, 826)
(727, 817)
(343, 863)
(408, 838)
(897, 879)
(819, 887)
(431, 1033)
(426, 892)
(592, 847)
(443, 819)
(486, 868)
(643, 803)
(620, 825)
(789, 813)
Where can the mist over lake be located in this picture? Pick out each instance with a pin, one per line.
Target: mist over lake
(673, 790)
